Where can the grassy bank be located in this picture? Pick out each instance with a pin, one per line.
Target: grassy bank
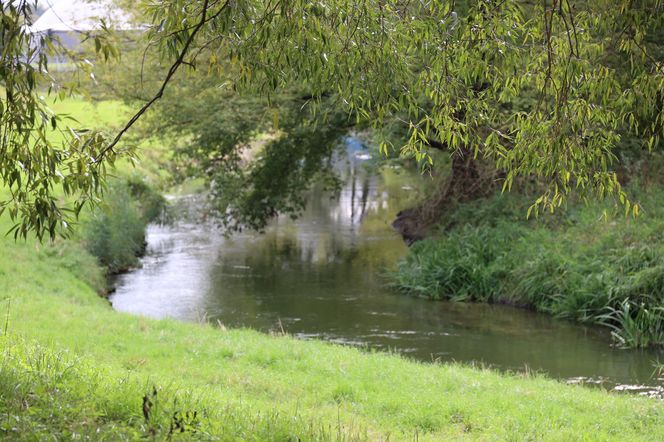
(71, 365)
(586, 263)
(72, 368)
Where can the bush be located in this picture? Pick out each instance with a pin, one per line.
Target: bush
(151, 203)
(115, 232)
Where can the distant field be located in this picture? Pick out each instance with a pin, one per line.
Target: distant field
(101, 114)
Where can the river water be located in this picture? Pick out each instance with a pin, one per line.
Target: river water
(322, 277)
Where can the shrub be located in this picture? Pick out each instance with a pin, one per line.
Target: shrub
(115, 232)
(151, 203)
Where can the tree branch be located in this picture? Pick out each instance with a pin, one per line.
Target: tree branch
(174, 67)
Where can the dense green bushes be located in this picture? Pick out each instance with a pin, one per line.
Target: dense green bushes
(115, 231)
(579, 264)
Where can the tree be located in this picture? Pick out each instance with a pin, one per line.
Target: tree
(259, 155)
(38, 172)
(454, 74)
(545, 89)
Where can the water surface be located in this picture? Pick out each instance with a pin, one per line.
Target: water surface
(322, 277)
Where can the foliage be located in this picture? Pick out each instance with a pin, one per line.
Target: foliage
(577, 265)
(260, 158)
(152, 204)
(115, 230)
(454, 73)
(35, 165)
(278, 179)
(71, 364)
(258, 155)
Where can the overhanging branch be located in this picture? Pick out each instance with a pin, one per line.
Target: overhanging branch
(174, 67)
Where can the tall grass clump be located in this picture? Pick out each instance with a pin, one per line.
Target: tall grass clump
(578, 264)
(466, 265)
(115, 231)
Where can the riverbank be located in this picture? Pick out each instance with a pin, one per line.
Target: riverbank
(73, 365)
(587, 263)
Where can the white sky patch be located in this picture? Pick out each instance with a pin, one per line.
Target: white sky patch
(81, 16)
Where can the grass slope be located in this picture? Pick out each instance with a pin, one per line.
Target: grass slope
(72, 367)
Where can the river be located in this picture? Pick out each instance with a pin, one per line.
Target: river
(322, 277)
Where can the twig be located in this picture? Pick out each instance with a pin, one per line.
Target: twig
(9, 306)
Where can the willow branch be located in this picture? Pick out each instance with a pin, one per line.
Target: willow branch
(174, 67)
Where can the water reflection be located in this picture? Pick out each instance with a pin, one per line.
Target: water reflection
(320, 277)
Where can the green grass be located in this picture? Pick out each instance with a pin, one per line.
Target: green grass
(151, 161)
(84, 113)
(71, 365)
(72, 368)
(577, 263)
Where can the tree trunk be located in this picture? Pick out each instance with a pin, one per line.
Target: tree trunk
(466, 182)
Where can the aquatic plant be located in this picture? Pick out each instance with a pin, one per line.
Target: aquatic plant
(635, 325)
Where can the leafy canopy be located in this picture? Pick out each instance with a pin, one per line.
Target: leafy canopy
(454, 74)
